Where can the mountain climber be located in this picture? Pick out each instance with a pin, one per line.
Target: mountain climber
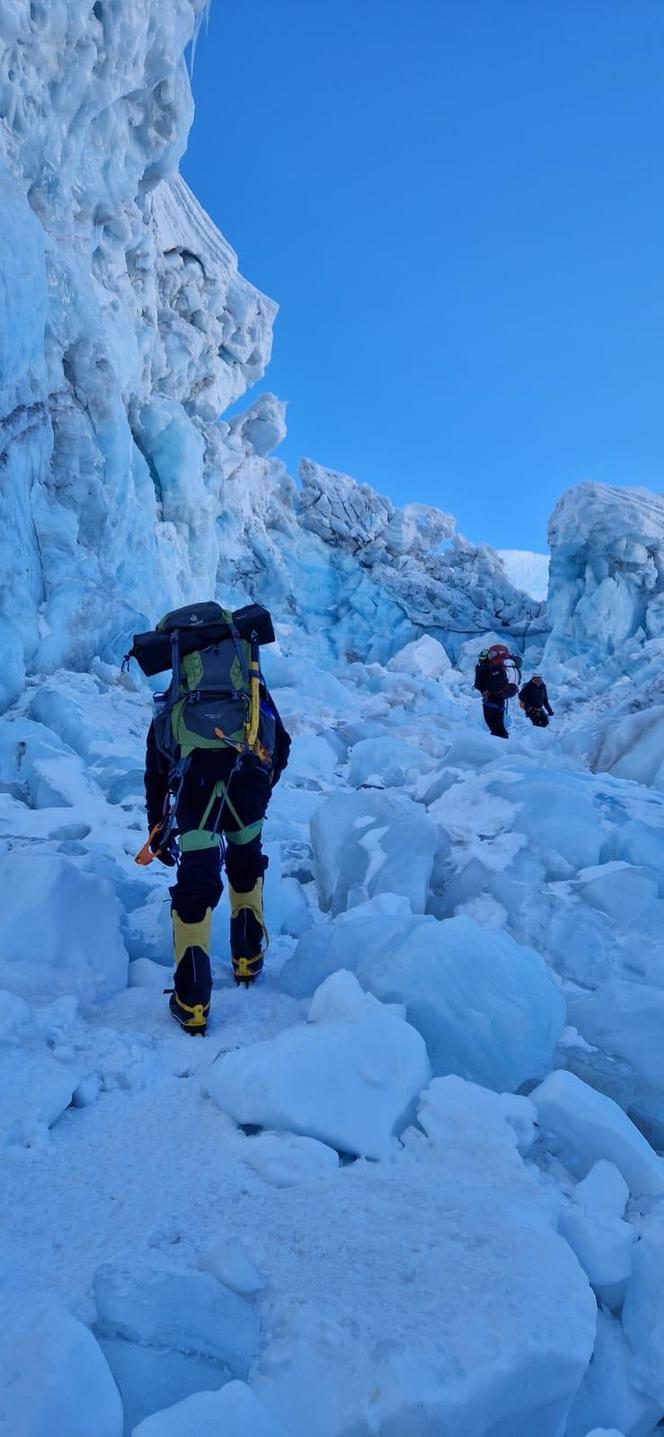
(215, 749)
(534, 700)
(493, 681)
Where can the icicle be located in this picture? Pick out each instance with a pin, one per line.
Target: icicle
(204, 15)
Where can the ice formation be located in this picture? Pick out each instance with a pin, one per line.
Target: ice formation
(292, 1226)
(486, 1007)
(347, 1078)
(54, 1376)
(606, 609)
(607, 568)
(135, 329)
(172, 1333)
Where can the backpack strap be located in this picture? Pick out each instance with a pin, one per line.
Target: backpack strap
(175, 663)
(242, 658)
(170, 698)
(251, 677)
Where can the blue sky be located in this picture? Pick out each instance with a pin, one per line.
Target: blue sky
(458, 205)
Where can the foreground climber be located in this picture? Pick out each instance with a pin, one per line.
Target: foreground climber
(495, 674)
(215, 749)
(534, 701)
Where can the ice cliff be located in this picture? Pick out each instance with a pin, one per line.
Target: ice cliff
(607, 569)
(606, 609)
(125, 328)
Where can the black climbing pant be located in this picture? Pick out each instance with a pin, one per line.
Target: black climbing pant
(538, 717)
(494, 718)
(238, 816)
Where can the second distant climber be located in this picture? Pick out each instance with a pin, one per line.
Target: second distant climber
(534, 701)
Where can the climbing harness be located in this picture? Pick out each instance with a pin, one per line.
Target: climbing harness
(203, 837)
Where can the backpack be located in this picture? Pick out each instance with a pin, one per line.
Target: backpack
(216, 698)
(198, 625)
(496, 672)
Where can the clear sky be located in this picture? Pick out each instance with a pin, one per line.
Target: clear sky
(459, 206)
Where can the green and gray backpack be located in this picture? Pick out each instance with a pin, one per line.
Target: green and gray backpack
(216, 699)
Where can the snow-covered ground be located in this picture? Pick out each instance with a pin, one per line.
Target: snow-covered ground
(411, 1182)
(337, 1196)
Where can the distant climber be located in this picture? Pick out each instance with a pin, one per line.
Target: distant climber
(534, 700)
(215, 749)
(497, 673)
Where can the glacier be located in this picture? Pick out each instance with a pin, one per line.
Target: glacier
(413, 1180)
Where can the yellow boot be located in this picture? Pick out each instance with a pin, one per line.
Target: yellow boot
(190, 999)
(249, 936)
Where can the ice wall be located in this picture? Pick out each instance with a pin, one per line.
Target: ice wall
(607, 569)
(340, 562)
(125, 328)
(439, 579)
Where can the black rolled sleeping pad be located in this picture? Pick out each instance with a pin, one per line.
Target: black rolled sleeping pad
(152, 650)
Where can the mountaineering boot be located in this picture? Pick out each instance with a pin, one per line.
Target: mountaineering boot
(249, 936)
(190, 1000)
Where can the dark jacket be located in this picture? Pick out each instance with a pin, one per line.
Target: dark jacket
(491, 681)
(211, 764)
(535, 696)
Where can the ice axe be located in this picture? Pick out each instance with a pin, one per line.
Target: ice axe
(145, 855)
